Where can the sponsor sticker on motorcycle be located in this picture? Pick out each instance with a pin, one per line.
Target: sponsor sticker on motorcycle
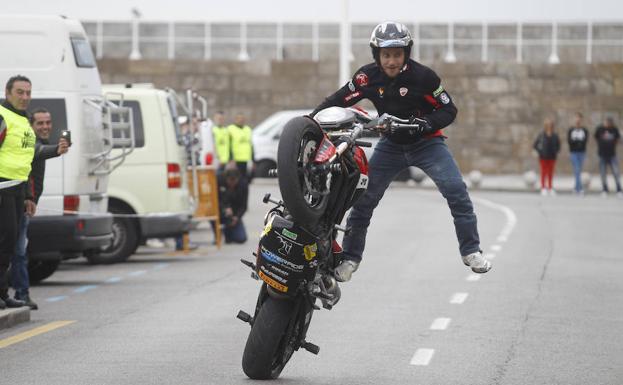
(274, 284)
(351, 86)
(289, 234)
(310, 251)
(274, 258)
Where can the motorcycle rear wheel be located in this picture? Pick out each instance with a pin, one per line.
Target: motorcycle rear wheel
(297, 146)
(267, 350)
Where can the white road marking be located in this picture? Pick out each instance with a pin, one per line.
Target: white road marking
(422, 357)
(440, 324)
(84, 288)
(56, 299)
(496, 247)
(511, 218)
(473, 277)
(114, 279)
(160, 266)
(137, 273)
(458, 298)
(489, 255)
(502, 238)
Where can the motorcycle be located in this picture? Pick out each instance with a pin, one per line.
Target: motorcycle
(322, 171)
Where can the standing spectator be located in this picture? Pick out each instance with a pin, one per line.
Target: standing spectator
(607, 136)
(547, 145)
(222, 140)
(241, 144)
(41, 122)
(233, 196)
(577, 136)
(17, 149)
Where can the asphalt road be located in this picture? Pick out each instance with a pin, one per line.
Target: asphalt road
(550, 311)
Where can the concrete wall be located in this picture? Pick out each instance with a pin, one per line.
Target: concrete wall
(501, 106)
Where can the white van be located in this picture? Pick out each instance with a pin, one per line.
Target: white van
(54, 53)
(151, 184)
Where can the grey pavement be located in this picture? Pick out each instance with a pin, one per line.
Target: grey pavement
(549, 312)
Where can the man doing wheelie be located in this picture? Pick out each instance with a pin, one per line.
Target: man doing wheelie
(402, 87)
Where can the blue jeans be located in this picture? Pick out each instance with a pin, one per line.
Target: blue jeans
(577, 160)
(435, 159)
(19, 261)
(614, 166)
(236, 233)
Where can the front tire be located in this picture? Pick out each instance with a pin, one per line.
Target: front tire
(297, 146)
(267, 350)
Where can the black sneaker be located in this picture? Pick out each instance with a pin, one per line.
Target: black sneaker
(10, 302)
(28, 302)
(2, 304)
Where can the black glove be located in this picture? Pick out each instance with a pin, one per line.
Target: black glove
(423, 126)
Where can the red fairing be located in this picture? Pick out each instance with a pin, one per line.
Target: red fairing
(362, 161)
(325, 151)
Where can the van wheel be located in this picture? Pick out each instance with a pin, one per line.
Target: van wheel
(42, 269)
(262, 168)
(124, 242)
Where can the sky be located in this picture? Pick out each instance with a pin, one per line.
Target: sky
(369, 11)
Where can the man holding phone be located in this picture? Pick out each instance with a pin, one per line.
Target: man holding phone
(41, 122)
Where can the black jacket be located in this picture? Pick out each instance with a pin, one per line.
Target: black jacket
(415, 92)
(547, 146)
(43, 151)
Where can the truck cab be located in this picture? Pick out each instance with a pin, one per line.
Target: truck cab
(55, 54)
(149, 190)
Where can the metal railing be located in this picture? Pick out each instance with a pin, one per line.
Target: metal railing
(486, 42)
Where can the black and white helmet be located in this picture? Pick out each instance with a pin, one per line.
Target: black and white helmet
(390, 35)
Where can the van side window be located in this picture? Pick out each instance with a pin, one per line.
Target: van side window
(58, 112)
(137, 119)
(82, 52)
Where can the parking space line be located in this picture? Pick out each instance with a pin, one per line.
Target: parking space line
(56, 299)
(422, 357)
(113, 279)
(496, 247)
(489, 255)
(137, 273)
(34, 332)
(440, 324)
(85, 288)
(458, 298)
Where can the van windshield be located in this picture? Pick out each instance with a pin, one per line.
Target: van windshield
(82, 52)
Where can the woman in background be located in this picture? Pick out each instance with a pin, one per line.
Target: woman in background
(547, 145)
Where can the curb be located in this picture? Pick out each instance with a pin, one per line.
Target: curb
(12, 317)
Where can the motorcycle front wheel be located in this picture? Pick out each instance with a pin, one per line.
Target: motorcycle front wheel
(297, 147)
(269, 346)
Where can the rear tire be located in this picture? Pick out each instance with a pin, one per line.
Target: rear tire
(264, 354)
(124, 243)
(298, 143)
(38, 270)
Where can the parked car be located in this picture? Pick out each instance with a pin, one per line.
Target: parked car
(266, 141)
(55, 54)
(148, 192)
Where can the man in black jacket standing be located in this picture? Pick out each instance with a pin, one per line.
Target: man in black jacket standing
(41, 122)
(402, 87)
(608, 136)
